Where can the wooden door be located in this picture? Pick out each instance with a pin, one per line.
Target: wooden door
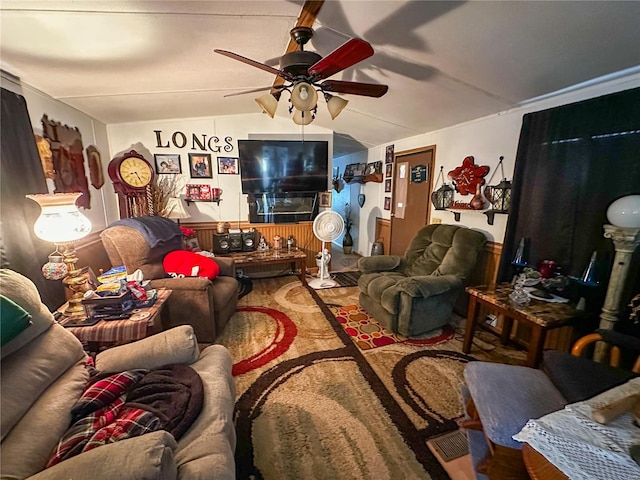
(410, 202)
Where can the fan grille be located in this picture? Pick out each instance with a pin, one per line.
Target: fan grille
(328, 226)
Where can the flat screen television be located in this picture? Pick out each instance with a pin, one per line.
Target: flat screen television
(282, 166)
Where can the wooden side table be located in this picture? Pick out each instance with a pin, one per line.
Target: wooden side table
(540, 316)
(107, 332)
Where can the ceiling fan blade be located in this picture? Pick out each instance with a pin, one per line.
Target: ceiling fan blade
(355, 88)
(253, 63)
(261, 89)
(346, 55)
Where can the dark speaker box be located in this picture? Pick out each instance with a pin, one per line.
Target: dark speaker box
(248, 241)
(221, 243)
(235, 242)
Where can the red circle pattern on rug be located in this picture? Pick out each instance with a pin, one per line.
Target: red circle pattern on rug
(286, 332)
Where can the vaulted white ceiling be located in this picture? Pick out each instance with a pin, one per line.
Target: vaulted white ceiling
(444, 62)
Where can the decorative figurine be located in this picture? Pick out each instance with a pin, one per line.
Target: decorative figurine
(262, 245)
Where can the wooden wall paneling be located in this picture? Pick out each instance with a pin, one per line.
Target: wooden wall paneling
(302, 232)
(383, 231)
(484, 273)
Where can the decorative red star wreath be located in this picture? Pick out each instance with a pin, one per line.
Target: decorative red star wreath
(468, 176)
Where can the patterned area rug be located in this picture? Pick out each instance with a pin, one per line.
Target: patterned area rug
(311, 404)
(367, 333)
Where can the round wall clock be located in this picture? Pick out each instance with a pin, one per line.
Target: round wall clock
(468, 176)
(130, 173)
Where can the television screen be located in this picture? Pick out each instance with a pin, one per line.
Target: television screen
(280, 166)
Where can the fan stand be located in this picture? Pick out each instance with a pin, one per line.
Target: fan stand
(324, 280)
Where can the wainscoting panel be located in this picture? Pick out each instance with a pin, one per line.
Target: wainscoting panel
(302, 232)
(383, 232)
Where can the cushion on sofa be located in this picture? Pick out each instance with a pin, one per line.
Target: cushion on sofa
(24, 293)
(13, 320)
(27, 373)
(183, 263)
(149, 456)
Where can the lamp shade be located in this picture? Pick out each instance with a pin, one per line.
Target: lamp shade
(176, 209)
(625, 212)
(60, 220)
(304, 97)
(302, 118)
(335, 105)
(268, 103)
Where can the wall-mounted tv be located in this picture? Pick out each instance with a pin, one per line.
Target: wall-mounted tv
(281, 166)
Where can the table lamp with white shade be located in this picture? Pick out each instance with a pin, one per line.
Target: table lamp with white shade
(176, 209)
(61, 223)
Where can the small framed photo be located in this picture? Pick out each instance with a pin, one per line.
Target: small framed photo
(388, 157)
(167, 163)
(192, 244)
(198, 192)
(200, 165)
(374, 167)
(387, 185)
(387, 203)
(227, 166)
(389, 170)
(325, 199)
(359, 169)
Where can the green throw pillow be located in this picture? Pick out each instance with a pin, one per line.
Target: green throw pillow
(13, 320)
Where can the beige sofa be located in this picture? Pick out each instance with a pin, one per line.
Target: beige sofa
(43, 374)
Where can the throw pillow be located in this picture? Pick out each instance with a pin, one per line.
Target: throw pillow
(13, 320)
(183, 263)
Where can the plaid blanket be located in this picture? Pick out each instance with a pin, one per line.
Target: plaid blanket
(129, 404)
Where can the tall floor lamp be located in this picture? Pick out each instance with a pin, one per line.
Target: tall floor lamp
(624, 230)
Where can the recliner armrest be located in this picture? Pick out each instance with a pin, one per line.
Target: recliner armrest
(227, 266)
(381, 263)
(183, 283)
(176, 345)
(428, 285)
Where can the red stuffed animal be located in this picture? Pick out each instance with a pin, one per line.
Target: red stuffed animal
(183, 263)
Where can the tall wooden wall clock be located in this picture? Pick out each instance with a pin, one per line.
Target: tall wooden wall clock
(132, 175)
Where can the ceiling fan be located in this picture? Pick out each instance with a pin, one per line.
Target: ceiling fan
(306, 73)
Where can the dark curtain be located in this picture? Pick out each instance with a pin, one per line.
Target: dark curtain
(572, 162)
(22, 174)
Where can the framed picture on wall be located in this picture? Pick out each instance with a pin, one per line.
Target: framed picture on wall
(227, 166)
(374, 167)
(167, 163)
(388, 157)
(389, 170)
(387, 203)
(200, 165)
(387, 185)
(325, 199)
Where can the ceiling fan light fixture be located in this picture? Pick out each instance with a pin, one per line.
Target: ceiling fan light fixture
(335, 105)
(268, 103)
(302, 118)
(304, 97)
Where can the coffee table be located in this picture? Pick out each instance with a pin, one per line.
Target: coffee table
(297, 257)
(541, 316)
(107, 332)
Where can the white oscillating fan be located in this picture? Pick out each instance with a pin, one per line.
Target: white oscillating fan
(328, 226)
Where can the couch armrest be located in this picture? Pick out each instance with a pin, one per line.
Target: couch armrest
(381, 263)
(428, 285)
(177, 345)
(184, 283)
(146, 456)
(227, 266)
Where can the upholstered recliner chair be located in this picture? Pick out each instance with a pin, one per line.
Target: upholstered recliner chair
(414, 294)
(205, 304)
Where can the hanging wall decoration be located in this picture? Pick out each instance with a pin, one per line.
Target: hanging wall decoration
(442, 198)
(468, 176)
(95, 167)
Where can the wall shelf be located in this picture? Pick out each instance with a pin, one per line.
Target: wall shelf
(490, 213)
(213, 200)
(373, 177)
